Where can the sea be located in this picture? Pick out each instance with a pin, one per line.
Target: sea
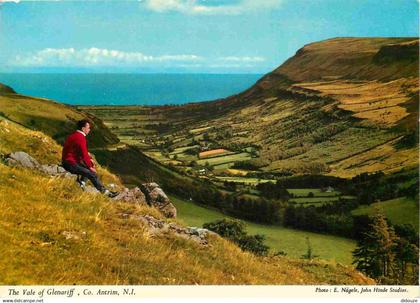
(128, 89)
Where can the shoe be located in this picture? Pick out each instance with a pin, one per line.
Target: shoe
(82, 184)
(110, 194)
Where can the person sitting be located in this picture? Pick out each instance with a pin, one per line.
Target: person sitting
(76, 160)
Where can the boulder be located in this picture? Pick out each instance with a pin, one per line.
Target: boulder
(134, 195)
(156, 197)
(21, 158)
(52, 169)
(156, 227)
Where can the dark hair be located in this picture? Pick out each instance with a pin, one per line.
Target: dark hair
(82, 123)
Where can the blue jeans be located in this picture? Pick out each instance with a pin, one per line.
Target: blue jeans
(84, 172)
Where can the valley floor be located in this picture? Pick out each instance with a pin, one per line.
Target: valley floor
(279, 238)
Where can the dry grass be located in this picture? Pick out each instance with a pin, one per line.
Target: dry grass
(36, 209)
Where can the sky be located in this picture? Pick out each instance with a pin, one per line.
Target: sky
(185, 36)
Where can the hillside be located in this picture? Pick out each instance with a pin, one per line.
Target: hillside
(48, 223)
(55, 119)
(339, 107)
(382, 59)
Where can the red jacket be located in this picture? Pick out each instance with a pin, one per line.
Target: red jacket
(75, 149)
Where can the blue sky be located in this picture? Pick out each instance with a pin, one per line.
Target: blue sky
(203, 36)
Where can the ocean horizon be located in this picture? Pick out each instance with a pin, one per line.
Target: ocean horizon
(128, 88)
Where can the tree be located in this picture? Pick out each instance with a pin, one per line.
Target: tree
(407, 252)
(375, 254)
(309, 252)
(406, 256)
(311, 195)
(231, 229)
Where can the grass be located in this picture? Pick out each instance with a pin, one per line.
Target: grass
(225, 159)
(398, 211)
(293, 242)
(303, 192)
(55, 119)
(314, 199)
(251, 181)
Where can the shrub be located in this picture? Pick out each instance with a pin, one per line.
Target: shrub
(234, 230)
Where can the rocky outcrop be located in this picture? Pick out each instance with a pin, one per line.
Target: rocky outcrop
(156, 197)
(147, 193)
(53, 169)
(156, 227)
(134, 195)
(22, 159)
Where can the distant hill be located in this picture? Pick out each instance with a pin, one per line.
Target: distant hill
(4, 89)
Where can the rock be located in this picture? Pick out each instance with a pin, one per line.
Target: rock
(21, 158)
(156, 197)
(156, 227)
(168, 210)
(201, 232)
(134, 195)
(52, 169)
(90, 189)
(73, 235)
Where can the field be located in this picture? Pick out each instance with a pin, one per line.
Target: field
(303, 192)
(374, 101)
(245, 180)
(398, 211)
(291, 241)
(212, 153)
(214, 161)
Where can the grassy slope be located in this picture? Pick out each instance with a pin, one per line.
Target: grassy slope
(36, 209)
(55, 119)
(354, 58)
